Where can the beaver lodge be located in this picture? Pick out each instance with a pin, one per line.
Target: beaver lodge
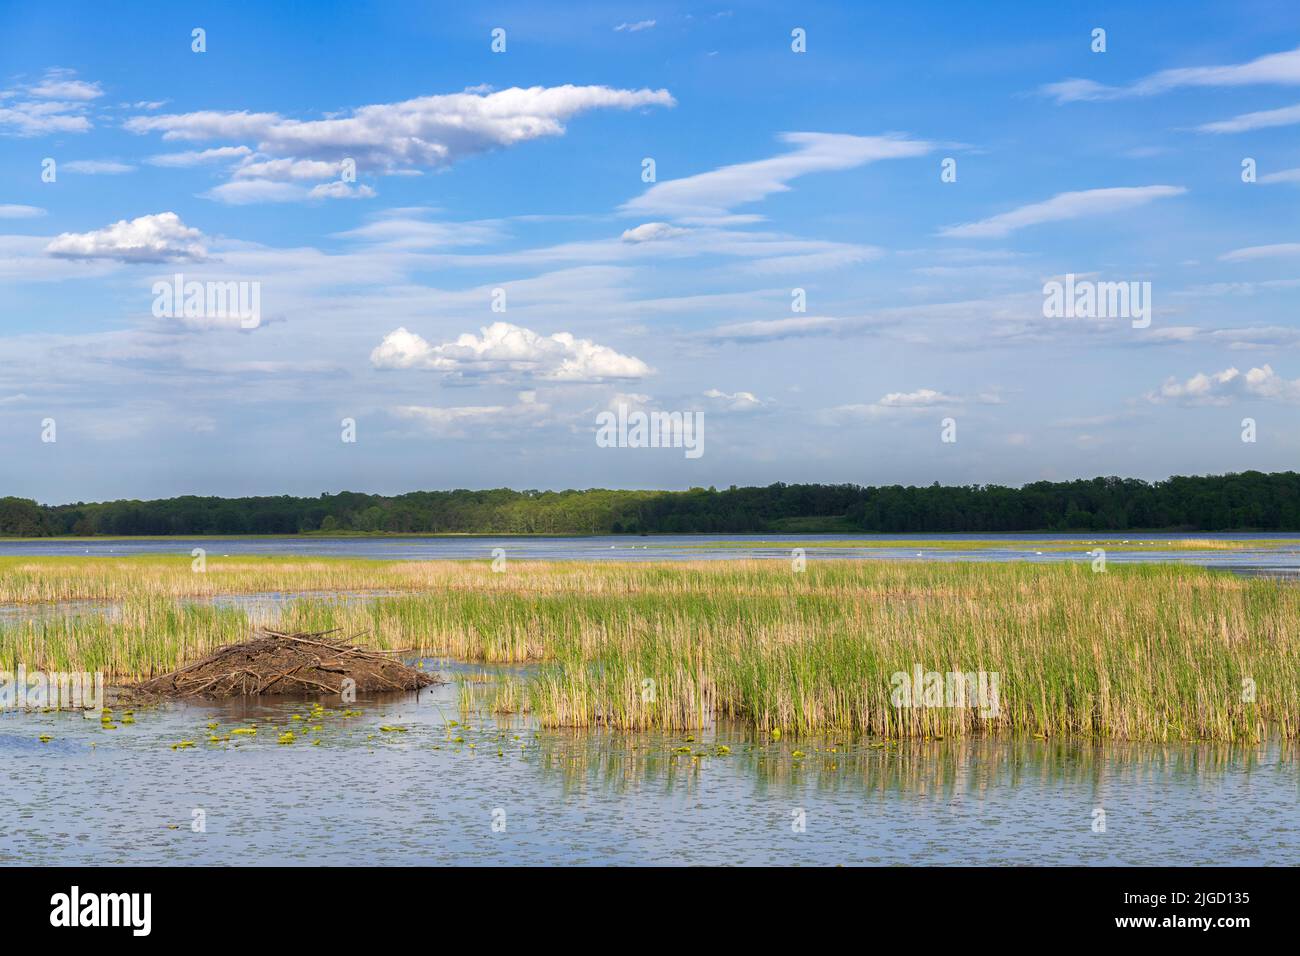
(277, 663)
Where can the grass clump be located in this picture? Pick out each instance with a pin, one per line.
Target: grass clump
(1143, 652)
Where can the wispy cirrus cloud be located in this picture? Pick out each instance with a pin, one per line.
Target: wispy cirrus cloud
(97, 167)
(200, 157)
(17, 211)
(892, 404)
(244, 192)
(458, 420)
(1060, 208)
(1277, 250)
(1277, 69)
(1246, 122)
(711, 196)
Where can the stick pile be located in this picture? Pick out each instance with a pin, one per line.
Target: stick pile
(278, 663)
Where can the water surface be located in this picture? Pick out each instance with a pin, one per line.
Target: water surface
(1262, 552)
(363, 795)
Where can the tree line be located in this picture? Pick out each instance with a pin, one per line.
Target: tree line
(1250, 500)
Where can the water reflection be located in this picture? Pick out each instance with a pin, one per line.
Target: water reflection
(426, 789)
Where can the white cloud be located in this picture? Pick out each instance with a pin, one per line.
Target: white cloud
(1282, 176)
(1263, 119)
(922, 397)
(14, 211)
(457, 420)
(157, 238)
(60, 84)
(636, 27)
(652, 231)
(771, 330)
(1278, 69)
(57, 103)
(404, 229)
(891, 404)
(1062, 207)
(735, 401)
(244, 192)
(712, 195)
(341, 190)
(199, 157)
(97, 167)
(429, 131)
(290, 170)
(1276, 251)
(505, 349)
(1223, 388)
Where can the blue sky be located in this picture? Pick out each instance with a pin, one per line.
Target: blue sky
(521, 171)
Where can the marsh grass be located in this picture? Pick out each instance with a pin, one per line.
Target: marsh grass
(1029, 545)
(1143, 652)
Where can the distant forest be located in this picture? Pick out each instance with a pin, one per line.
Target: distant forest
(1248, 501)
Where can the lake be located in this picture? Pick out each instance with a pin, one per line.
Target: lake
(1262, 553)
(459, 787)
(419, 797)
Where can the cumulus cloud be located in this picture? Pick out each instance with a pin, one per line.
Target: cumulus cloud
(1223, 388)
(712, 195)
(429, 131)
(1062, 207)
(1277, 69)
(57, 103)
(157, 238)
(505, 349)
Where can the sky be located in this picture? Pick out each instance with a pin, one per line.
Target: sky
(833, 231)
